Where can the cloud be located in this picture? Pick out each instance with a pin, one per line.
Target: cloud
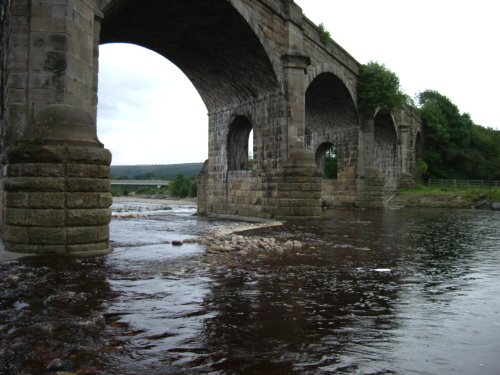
(148, 109)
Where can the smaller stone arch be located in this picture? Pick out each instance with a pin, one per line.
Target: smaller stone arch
(237, 143)
(388, 117)
(326, 160)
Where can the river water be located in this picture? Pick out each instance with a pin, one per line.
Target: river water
(369, 292)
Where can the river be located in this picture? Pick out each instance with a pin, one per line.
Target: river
(368, 292)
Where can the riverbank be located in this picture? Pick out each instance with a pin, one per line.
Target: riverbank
(446, 197)
(155, 199)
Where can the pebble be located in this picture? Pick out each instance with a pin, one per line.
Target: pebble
(55, 365)
(242, 246)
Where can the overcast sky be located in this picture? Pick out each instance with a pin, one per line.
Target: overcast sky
(149, 112)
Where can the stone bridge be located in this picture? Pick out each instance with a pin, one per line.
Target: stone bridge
(259, 65)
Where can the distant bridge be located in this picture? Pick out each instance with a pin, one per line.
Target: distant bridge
(140, 182)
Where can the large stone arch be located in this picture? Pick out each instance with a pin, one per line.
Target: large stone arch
(209, 40)
(315, 71)
(247, 14)
(331, 116)
(332, 119)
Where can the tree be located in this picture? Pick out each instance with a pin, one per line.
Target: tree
(455, 147)
(378, 88)
(183, 186)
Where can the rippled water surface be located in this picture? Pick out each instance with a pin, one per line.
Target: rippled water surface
(370, 292)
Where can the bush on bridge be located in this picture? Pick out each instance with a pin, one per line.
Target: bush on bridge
(378, 88)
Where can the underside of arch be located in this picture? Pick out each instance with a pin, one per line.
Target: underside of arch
(207, 39)
(385, 146)
(331, 117)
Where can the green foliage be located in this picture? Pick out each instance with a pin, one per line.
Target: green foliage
(324, 34)
(455, 147)
(379, 89)
(119, 191)
(154, 172)
(422, 166)
(250, 163)
(331, 164)
(472, 194)
(183, 186)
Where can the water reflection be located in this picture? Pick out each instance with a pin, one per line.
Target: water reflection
(375, 292)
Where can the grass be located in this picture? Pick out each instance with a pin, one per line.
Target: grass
(470, 193)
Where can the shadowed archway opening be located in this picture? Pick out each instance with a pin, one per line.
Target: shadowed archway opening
(238, 157)
(332, 125)
(385, 147)
(326, 160)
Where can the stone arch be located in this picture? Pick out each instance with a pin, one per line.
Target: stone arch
(237, 143)
(338, 72)
(214, 43)
(385, 150)
(331, 117)
(320, 158)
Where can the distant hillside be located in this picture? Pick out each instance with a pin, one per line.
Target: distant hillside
(151, 172)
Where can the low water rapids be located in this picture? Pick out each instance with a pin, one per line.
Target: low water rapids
(368, 292)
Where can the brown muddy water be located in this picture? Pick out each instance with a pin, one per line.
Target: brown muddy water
(370, 292)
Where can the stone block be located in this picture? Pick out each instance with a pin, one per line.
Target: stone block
(16, 234)
(38, 154)
(35, 170)
(47, 235)
(46, 200)
(35, 217)
(88, 171)
(34, 184)
(89, 200)
(89, 155)
(81, 235)
(76, 184)
(88, 217)
(16, 199)
(35, 249)
(48, 24)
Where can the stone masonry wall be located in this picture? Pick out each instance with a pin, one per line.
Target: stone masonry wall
(57, 199)
(4, 48)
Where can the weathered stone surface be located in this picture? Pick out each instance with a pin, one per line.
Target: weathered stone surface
(88, 217)
(86, 235)
(32, 217)
(267, 73)
(77, 184)
(89, 200)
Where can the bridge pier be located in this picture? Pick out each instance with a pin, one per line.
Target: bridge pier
(56, 194)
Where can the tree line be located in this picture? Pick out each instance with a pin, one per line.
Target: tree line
(454, 147)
